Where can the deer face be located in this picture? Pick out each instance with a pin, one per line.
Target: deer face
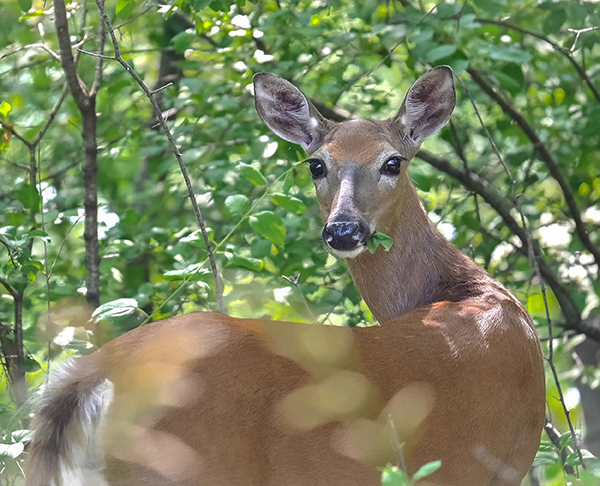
(358, 166)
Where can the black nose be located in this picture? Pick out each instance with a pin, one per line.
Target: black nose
(345, 235)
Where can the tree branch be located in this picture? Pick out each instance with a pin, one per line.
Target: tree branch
(87, 106)
(99, 63)
(76, 86)
(163, 124)
(539, 146)
(562, 50)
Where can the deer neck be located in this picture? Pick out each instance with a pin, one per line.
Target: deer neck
(421, 267)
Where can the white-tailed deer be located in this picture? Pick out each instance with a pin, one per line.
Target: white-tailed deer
(209, 400)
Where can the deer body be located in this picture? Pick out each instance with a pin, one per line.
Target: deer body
(209, 400)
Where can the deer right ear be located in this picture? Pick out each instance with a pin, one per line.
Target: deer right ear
(428, 104)
(287, 112)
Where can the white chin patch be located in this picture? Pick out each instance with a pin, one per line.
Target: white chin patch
(350, 254)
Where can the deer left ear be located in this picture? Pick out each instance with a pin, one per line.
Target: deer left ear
(428, 104)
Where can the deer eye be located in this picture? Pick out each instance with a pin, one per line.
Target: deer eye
(317, 168)
(392, 165)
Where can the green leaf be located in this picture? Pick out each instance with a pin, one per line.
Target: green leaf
(379, 239)
(427, 470)
(25, 5)
(200, 4)
(288, 182)
(440, 52)
(270, 226)
(5, 109)
(252, 174)
(554, 21)
(31, 365)
(237, 204)
(588, 478)
(114, 309)
(42, 235)
(509, 53)
(30, 15)
(565, 439)
(253, 264)
(289, 203)
(546, 458)
(183, 41)
(183, 272)
(12, 450)
(394, 476)
(125, 8)
(28, 196)
(196, 238)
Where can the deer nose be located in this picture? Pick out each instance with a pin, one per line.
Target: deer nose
(345, 235)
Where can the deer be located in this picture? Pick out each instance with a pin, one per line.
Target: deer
(454, 372)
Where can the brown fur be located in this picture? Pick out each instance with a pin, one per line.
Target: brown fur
(208, 400)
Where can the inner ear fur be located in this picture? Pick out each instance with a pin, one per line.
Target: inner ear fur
(287, 112)
(428, 105)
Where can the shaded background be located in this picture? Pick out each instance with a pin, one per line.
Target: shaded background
(530, 67)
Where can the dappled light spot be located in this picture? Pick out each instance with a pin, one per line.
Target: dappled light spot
(176, 461)
(493, 463)
(370, 441)
(409, 407)
(342, 396)
(66, 313)
(314, 347)
(183, 389)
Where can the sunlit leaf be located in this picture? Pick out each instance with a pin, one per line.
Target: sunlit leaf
(289, 203)
(270, 226)
(114, 310)
(237, 203)
(252, 174)
(427, 470)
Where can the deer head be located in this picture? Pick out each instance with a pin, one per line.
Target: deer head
(358, 166)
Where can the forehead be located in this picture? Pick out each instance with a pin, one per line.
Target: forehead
(358, 140)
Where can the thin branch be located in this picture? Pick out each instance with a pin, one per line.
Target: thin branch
(564, 51)
(539, 146)
(99, 64)
(76, 86)
(294, 281)
(554, 435)
(12, 131)
(163, 124)
(8, 287)
(504, 207)
(37, 45)
(51, 116)
(534, 262)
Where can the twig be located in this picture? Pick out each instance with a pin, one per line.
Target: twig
(534, 262)
(539, 146)
(217, 247)
(391, 51)
(99, 66)
(51, 116)
(564, 51)
(554, 435)
(163, 124)
(12, 131)
(578, 32)
(62, 245)
(294, 281)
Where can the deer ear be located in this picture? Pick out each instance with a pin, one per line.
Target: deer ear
(428, 104)
(287, 112)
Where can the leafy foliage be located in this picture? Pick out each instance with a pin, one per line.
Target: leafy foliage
(359, 57)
